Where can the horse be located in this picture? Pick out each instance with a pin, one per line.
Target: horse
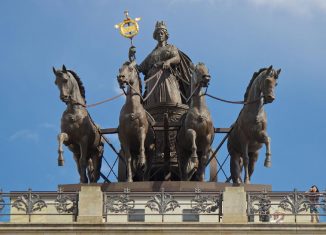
(196, 133)
(78, 131)
(134, 125)
(248, 133)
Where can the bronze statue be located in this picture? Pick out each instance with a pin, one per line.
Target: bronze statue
(249, 131)
(78, 131)
(133, 123)
(166, 69)
(196, 134)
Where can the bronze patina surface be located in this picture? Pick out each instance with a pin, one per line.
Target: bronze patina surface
(78, 131)
(249, 131)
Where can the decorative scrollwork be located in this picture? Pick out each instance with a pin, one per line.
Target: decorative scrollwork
(2, 201)
(65, 204)
(204, 204)
(121, 203)
(295, 203)
(260, 204)
(29, 203)
(263, 205)
(162, 203)
(323, 202)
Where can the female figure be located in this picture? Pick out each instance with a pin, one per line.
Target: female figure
(163, 69)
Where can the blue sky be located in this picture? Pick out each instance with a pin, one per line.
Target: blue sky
(234, 38)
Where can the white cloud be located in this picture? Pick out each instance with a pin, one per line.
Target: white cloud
(50, 126)
(25, 135)
(297, 7)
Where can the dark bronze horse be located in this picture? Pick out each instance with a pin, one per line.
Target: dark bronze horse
(133, 123)
(249, 131)
(78, 131)
(196, 134)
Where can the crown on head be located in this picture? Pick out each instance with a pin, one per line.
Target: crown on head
(160, 25)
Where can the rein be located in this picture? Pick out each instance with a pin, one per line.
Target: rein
(104, 101)
(97, 103)
(152, 77)
(192, 94)
(158, 75)
(234, 102)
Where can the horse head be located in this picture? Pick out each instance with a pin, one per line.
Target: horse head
(127, 74)
(70, 86)
(269, 84)
(200, 76)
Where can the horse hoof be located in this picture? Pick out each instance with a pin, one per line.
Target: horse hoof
(61, 162)
(237, 182)
(268, 163)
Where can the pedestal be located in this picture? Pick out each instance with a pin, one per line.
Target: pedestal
(90, 206)
(234, 205)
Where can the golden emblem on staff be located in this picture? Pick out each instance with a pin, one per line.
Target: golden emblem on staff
(128, 27)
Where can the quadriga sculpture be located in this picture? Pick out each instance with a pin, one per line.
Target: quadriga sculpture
(133, 123)
(249, 131)
(78, 131)
(197, 132)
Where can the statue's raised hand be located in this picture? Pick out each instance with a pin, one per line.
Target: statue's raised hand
(132, 53)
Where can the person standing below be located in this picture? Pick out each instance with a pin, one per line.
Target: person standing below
(314, 200)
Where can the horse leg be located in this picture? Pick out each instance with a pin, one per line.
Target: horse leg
(62, 137)
(253, 156)
(76, 158)
(142, 159)
(129, 164)
(97, 163)
(268, 161)
(201, 167)
(202, 163)
(235, 168)
(245, 157)
(83, 162)
(191, 136)
(90, 170)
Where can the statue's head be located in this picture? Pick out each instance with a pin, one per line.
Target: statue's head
(160, 27)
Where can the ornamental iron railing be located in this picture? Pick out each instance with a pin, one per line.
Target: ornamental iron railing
(24, 205)
(162, 206)
(279, 207)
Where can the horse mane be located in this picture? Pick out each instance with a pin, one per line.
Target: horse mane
(254, 76)
(127, 63)
(80, 84)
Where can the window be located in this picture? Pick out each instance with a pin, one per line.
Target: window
(136, 215)
(189, 215)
